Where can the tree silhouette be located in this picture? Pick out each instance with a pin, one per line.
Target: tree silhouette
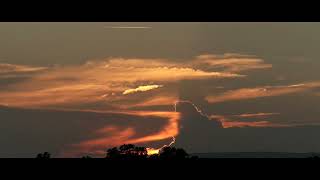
(86, 157)
(126, 148)
(181, 153)
(140, 152)
(44, 155)
(154, 157)
(113, 153)
(132, 152)
(173, 153)
(127, 151)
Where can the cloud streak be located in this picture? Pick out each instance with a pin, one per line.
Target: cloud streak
(227, 122)
(258, 92)
(232, 62)
(141, 89)
(13, 68)
(254, 115)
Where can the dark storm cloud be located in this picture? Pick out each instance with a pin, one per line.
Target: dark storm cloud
(200, 134)
(297, 139)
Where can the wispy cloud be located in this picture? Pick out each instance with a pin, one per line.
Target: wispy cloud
(228, 122)
(164, 99)
(241, 120)
(232, 62)
(141, 89)
(254, 115)
(13, 68)
(258, 92)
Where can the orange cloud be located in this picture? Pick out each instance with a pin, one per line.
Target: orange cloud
(158, 100)
(50, 96)
(97, 81)
(96, 147)
(99, 85)
(255, 115)
(267, 91)
(233, 124)
(228, 123)
(170, 130)
(232, 62)
(13, 68)
(142, 89)
(113, 136)
(117, 137)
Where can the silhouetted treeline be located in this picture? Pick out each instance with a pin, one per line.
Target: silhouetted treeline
(132, 152)
(127, 151)
(44, 155)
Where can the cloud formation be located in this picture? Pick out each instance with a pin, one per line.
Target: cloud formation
(105, 87)
(99, 81)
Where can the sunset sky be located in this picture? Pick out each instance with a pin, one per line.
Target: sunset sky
(77, 89)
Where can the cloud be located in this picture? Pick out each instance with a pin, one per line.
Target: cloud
(141, 89)
(193, 119)
(258, 92)
(100, 81)
(254, 115)
(113, 136)
(197, 134)
(18, 72)
(85, 131)
(63, 94)
(232, 62)
(227, 122)
(98, 87)
(13, 68)
(162, 100)
(94, 94)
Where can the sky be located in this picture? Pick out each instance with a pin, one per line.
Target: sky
(76, 89)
